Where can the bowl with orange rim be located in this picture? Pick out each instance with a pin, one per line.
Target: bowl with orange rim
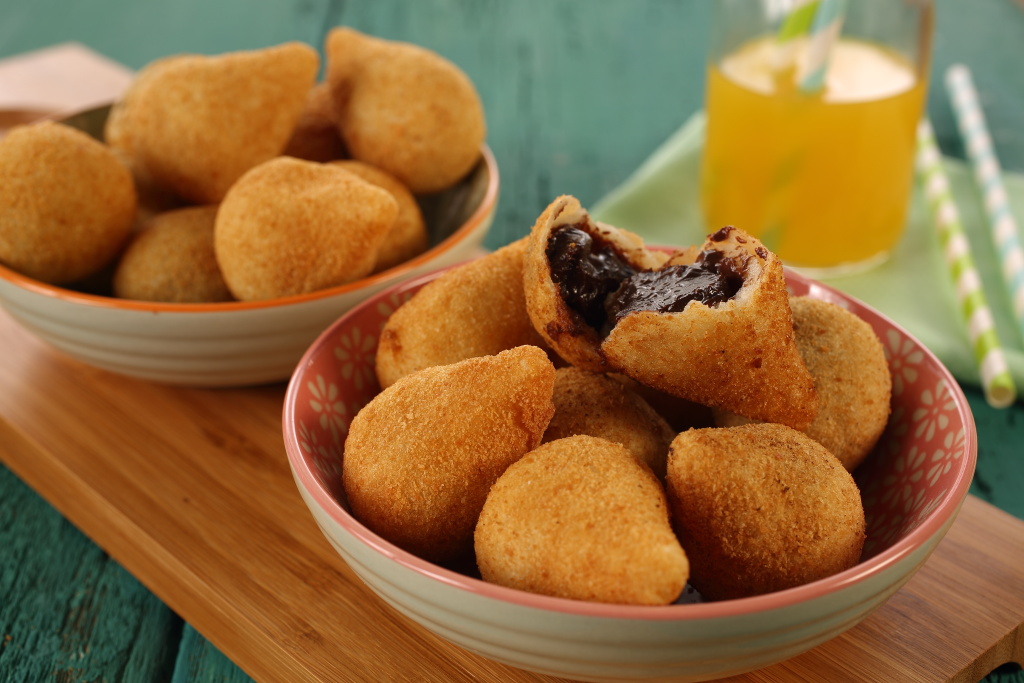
(234, 343)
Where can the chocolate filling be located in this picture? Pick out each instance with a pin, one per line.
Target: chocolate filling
(586, 268)
(596, 281)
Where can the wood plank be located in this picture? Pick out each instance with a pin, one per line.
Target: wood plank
(191, 492)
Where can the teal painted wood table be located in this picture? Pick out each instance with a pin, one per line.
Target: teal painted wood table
(577, 95)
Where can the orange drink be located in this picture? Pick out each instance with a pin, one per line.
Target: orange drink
(822, 178)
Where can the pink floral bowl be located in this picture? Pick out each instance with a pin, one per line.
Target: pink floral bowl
(913, 485)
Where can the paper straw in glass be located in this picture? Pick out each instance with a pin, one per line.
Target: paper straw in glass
(798, 21)
(996, 381)
(824, 32)
(988, 175)
(794, 27)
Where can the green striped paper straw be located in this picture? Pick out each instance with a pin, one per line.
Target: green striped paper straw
(988, 176)
(796, 24)
(996, 381)
(824, 31)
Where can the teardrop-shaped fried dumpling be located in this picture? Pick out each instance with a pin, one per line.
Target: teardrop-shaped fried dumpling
(404, 108)
(580, 518)
(422, 455)
(119, 131)
(194, 124)
(126, 116)
(315, 137)
(851, 376)
(67, 205)
(760, 508)
(596, 405)
(572, 264)
(679, 413)
(290, 227)
(475, 309)
(172, 259)
(408, 234)
(712, 326)
(729, 346)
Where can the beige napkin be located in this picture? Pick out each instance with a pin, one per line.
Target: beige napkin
(57, 80)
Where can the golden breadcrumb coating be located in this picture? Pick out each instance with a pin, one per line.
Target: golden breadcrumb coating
(291, 227)
(580, 518)
(172, 260)
(67, 204)
(475, 309)
(408, 235)
(422, 455)
(405, 109)
(563, 329)
(760, 508)
(596, 405)
(740, 355)
(194, 124)
(315, 136)
(851, 376)
(737, 354)
(679, 413)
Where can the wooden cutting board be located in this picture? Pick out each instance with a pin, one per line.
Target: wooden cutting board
(190, 490)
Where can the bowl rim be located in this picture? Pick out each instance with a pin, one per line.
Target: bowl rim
(943, 514)
(486, 208)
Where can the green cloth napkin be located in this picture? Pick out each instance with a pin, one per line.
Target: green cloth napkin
(661, 203)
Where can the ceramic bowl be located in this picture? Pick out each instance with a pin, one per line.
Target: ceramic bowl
(233, 343)
(912, 485)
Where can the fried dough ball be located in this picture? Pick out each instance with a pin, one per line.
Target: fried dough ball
(851, 376)
(475, 309)
(408, 235)
(594, 404)
(405, 109)
(67, 204)
(422, 455)
(739, 353)
(117, 133)
(679, 413)
(290, 227)
(194, 124)
(567, 331)
(580, 518)
(316, 137)
(121, 125)
(172, 260)
(760, 508)
(711, 326)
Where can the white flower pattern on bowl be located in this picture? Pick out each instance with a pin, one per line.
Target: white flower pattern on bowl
(904, 358)
(356, 353)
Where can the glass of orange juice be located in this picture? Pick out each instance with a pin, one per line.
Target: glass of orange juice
(822, 175)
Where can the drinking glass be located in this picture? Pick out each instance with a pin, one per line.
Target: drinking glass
(820, 173)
